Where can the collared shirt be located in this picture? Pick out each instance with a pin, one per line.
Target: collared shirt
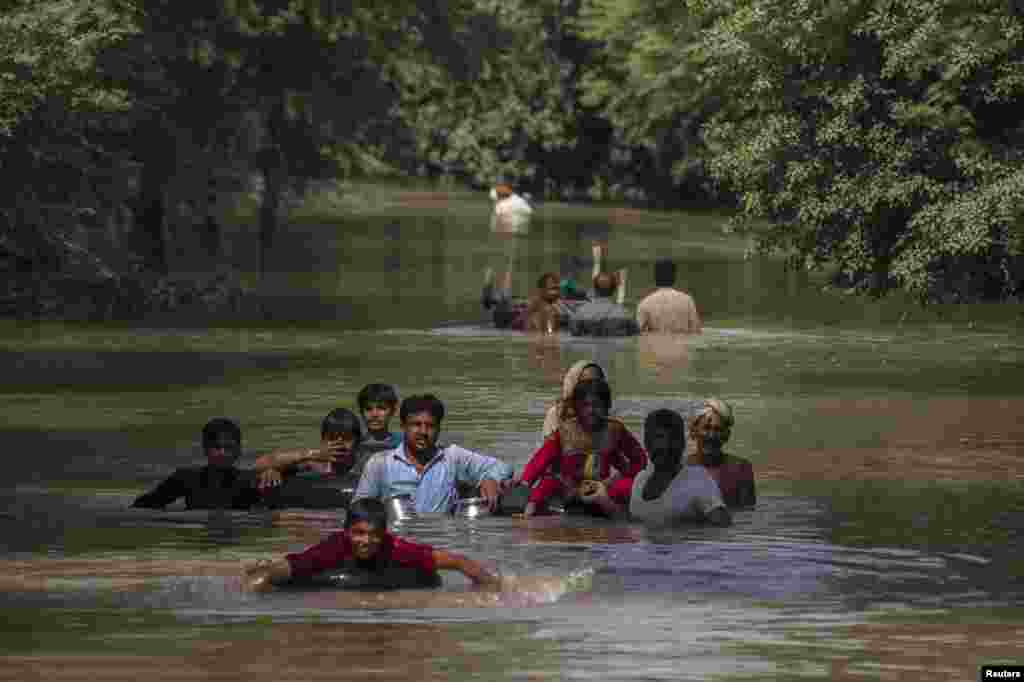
(602, 316)
(336, 549)
(668, 310)
(391, 473)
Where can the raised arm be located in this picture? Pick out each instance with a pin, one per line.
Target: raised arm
(471, 569)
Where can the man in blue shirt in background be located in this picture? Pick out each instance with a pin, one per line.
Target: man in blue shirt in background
(425, 471)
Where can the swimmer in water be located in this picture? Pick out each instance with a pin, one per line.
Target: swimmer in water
(218, 485)
(340, 436)
(365, 544)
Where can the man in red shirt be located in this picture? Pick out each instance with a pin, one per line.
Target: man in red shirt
(366, 545)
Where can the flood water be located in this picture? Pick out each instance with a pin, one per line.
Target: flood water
(886, 543)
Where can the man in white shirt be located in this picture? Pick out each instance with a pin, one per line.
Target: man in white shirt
(511, 218)
(670, 491)
(667, 310)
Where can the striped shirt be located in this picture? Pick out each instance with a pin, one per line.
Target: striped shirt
(391, 473)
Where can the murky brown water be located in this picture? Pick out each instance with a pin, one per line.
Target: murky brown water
(886, 543)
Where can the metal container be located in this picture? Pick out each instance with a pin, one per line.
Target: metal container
(471, 507)
(401, 507)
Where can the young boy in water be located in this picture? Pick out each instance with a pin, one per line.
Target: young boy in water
(671, 491)
(378, 403)
(218, 485)
(366, 544)
(336, 458)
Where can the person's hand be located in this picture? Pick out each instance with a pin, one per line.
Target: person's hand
(269, 478)
(592, 492)
(257, 578)
(509, 483)
(327, 455)
(489, 490)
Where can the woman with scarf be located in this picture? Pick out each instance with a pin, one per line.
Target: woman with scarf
(587, 447)
(562, 409)
(710, 429)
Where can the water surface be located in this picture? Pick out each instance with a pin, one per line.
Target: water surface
(886, 542)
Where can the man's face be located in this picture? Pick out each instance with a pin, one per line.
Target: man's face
(222, 451)
(551, 293)
(592, 413)
(377, 416)
(341, 445)
(665, 446)
(366, 540)
(421, 431)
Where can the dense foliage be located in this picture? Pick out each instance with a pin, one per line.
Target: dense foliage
(876, 137)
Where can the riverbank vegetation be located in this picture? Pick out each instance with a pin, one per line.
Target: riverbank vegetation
(876, 141)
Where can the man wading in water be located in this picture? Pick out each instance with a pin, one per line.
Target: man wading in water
(425, 471)
(218, 485)
(366, 545)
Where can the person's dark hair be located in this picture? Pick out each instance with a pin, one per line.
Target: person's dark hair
(342, 421)
(377, 393)
(219, 425)
(605, 283)
(669, 420)
(664, 272)
(368, 509)
(545, 278)
(427, 402)
(593, 388)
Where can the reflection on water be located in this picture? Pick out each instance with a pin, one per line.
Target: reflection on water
(889, 467)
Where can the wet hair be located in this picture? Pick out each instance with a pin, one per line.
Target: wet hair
(342, 421)
(368, 509)
(593, 388)
(605, 283)
(664, 272)
(377, 393)
(218, 426)
(667, 420)
(427, 402)
(545, 278)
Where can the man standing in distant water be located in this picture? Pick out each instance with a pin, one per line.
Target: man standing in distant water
(602, 316)
(667, 310)
(511, 218)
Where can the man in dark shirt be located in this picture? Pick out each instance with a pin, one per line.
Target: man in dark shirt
(365, 544)
(602, 316)
(218, 485)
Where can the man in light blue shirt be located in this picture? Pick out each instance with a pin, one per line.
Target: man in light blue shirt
(426, 472)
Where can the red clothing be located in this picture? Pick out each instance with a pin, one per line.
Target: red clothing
(337, 549)
(733, 472)
(625, 454)
(619, 491)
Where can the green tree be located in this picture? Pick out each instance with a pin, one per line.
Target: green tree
(878, 136)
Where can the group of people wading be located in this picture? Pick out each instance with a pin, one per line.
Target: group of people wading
(589, 461)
